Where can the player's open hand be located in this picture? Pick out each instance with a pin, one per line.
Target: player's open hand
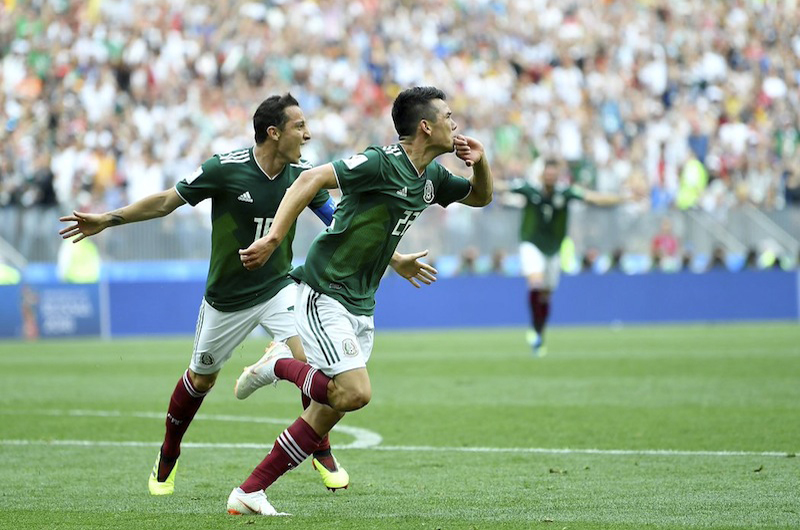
(468, 149)
(86, 224)
(257, 254)
(409, 267)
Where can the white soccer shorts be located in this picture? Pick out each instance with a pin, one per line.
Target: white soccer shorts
(335, 340)
(534, 262)
(219, 332)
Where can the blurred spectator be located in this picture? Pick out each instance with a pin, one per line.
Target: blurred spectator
(499, 262)
(119, 95)
(751, 259)
(792, 186)
(78, 262)
(693, 182)
(9, 275)
(717, 261)
(665, 248)
(468, 265)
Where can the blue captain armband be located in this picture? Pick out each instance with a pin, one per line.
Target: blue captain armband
(325, 212)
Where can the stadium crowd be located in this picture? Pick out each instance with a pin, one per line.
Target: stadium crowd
(693, 104)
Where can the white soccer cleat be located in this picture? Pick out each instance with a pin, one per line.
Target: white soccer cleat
(256, 503)
(536, 342)
(261, 373)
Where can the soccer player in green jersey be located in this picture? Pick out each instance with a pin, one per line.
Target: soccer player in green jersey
(384, 190)
(543, 229)
(245, 188)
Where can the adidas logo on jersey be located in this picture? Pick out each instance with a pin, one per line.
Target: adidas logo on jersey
(403, 192)
(245, 197)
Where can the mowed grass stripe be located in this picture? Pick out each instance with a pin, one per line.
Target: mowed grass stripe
(411, 448)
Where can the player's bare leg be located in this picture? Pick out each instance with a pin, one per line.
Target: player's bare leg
(296, 345)
(350, 390)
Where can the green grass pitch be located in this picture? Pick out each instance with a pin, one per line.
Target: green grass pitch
(668, 427)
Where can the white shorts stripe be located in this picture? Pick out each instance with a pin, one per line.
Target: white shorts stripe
(334, 340)
(316, 319)
(199, 325)
(324, 345)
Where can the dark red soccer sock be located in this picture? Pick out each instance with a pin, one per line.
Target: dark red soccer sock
(310, 381)
(533, 297)
(183, 405)
(324, 449)
(291, 448)
(540, 309)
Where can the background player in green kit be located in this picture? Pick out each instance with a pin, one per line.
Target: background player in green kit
(245, 187)
(384, 190)
(544, 226)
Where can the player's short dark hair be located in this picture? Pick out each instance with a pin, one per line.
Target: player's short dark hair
(272, 112)
(551, 162)
(413, 105)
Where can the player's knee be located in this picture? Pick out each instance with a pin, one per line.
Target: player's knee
(355, 399)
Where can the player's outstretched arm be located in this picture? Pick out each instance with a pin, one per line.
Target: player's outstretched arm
(472, 153)
(150, 207)
(297, 197)
(409, 267)
(597, 198)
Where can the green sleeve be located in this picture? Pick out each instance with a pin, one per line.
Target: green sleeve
(451, 188)
(204, 183)
(359, 173)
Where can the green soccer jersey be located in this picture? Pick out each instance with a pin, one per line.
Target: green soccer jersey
(544, 218)
(382, 195)
(244, 200)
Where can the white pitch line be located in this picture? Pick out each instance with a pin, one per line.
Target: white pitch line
(362, 438)
(568, 451)
(409, 448)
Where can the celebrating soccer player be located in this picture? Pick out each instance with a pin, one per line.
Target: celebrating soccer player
(245, 188)
(384, 190)
(544, 227)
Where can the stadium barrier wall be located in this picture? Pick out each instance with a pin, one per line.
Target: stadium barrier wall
(122, 307)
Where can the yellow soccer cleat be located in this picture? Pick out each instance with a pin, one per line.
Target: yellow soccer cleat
(161, 488)
(334, 479)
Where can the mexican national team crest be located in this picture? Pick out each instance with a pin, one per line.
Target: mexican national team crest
(349, 347)
(428, 195)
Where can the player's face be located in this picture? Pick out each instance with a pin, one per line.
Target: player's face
(444, 128)
(550, 176)
(293, 135)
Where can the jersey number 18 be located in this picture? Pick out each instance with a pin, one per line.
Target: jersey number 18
(262, 226)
